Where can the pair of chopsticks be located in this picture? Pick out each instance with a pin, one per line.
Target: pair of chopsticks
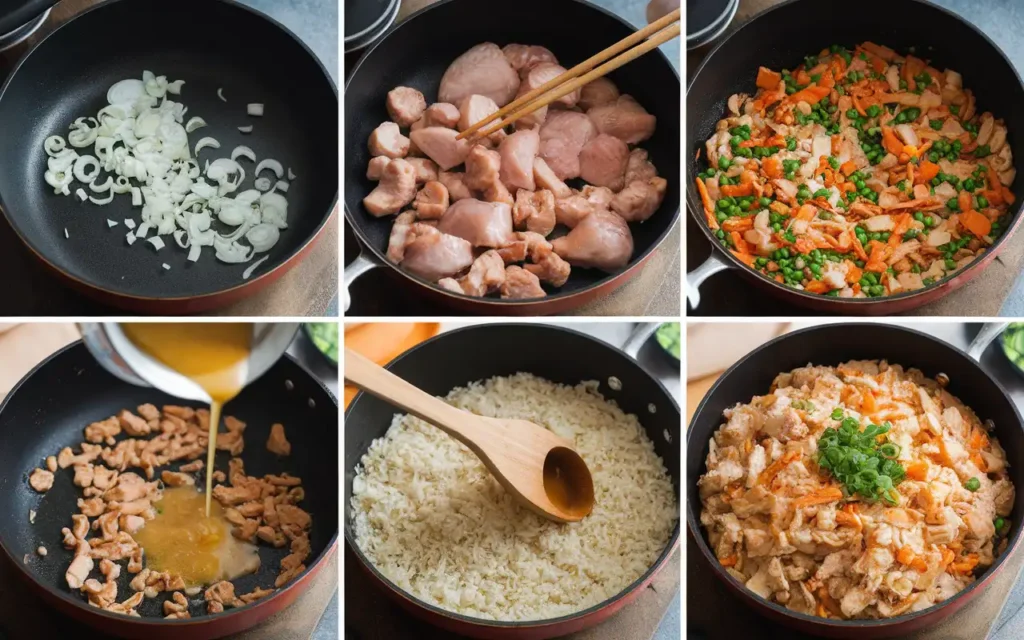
(572, 79)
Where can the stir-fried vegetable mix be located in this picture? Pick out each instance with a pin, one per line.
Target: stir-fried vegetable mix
(857, 174)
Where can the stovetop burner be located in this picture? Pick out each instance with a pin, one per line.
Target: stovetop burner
(17, 36)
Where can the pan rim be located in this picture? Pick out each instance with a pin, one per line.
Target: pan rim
(971, 270)
(657, 565)
(287, 263)
(328, 549)
(698, 535)
(381, 260)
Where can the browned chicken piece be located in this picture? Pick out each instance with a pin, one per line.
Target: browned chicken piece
(431, 202)
(175, 479)
(601, 240)
(396, 189)
(638, 201)
(598, 93)
(406, 105)
(518, 152)
(454, 182)
(475, 108)
(441, 114)
(255, 595)
(639, 167)
(562, 137)
(132, 424)
(277, 443)
(450, 284)
(497, 193)
(192, 467)
(482, 224)
(221, 593)
(546, 179)
(375, 169)
(625, 119)
(51, 463)
(387, 140)
(520, 284)
(439, 144)
(41, 480)
(536, 244)
(514, 251)
(482, 168)
(524, 57)
(78, 571)
(433, 255)
(603, 162)
(483, 70)
(543, 73)
(485, 276)
(549, 267)
(569, 211)
(534, 211)
(426, 169)
(103, 431)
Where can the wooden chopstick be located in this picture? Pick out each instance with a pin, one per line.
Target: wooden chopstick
(581, 68)
(585, 79)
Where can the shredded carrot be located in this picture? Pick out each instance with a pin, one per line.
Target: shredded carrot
(917, 470)
(709, 209)
(975, 222)
(728, 561)
(853, 272)
(821, 496)
(811, 95)
(978, 439)
(772, 167)
(902, 225)
(891, 143)
(905, 555)
(848, 167)
(927, 172)
(817, 286)
(774, 468)
(737, 190)
(867, 402)
(848, 520)
(885, 53)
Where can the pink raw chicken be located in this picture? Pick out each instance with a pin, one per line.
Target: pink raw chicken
(549, 267)
(440, 145)
(534, 211)
(569, 211)
(387, 140)
(603, 162)
(400, 235)
(543, 73)
(475, 108)
(601, 240)
(520, 284)
(483, 70)
(485, 276)
(626, 119)
(596, 93)
(482, 167)
(483, 224)
(517, 154)
(640, 199)
(431, 202)
(454, 182)
(397, 188)
(546, 179)
(441, 114)
(405, 105)
(562, 138)
(433, 255)
(525, 57)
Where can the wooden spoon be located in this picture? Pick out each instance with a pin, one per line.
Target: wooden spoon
(538, 468)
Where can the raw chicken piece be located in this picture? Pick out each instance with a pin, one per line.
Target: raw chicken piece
(396, 189)
(536, 244)
(440, 145)
(475, 108)
(387, 140)
(517, 154)
(375, 169)
(514, 251)
(562, 138)
(406, 105)
(520, 284)
(544, 73)
(450, 284)
(453, 181)
(569, 211)
(483, 70)
(601, 240)
(433, 255)
(638, 167)
(416, 126)
(549, 267)
(530, 120)
(498, 193)
(640, 199)
(534, 211)
(625, 119)
(603, 162)
(546, 179)
(431, 202)
(426, 169)
(441, 114)
(485, 276)
(400, 235)
(524, 57)
(483, 224)
(598, 93)
(482, 167)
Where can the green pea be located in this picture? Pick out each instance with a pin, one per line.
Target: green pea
(972, 484)
(950, 264)
(724, 163)
(999, 524)
(982, 202)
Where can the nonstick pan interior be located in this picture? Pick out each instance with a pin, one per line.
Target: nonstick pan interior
(417, 52)
(209, 44)
(831, 345)
(556, 354)
(50, 408)
(780, 38)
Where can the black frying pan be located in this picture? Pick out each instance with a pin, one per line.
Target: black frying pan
(484, 351)
(210, 44)
(17, 13)
(416, 53)
(830, 345)
(780, 37)
(47, 411)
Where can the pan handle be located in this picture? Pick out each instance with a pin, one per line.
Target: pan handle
(989, 332)
(636, 340)
(359, 266)
(695, 278)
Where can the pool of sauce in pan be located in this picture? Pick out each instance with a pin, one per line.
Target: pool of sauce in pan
(567, 482)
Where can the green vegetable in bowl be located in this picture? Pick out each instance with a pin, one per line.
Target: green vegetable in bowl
(669, 338)
(325, 336)
(1013, 343)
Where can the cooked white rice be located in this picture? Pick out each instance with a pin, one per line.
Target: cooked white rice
(431, 518)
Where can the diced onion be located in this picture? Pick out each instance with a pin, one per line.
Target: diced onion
(263, 237)
(206, 142)
(254, 108)
(130, 236)
(111, 223)
(136, 197)
(291, 174)
(194, 123)
(107, 185)
(66, 232)
(242, 151)
(81, 194)
(166, 266)
(281, 185)
(246, 129)
(157, 242)
(193, 252)
(273, 165)
(220, 94)
(106, 200)
(80, 169)
(128, 222)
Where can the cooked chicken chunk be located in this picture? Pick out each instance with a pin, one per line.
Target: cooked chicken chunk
(603, 162)
(426, 169)
(601, 240)
(439, 144)
(482, 70)
(562, 137)
(386, 140)
(534, 211)
(483, 224)
(396, 189)
(638, 201)
(569, 211)
(455, 183)
(482, 168)
(277, 443)
(518, 152)
(374, 171)
(638, 167)
(431, 202)
(549, 267)
(625, 119)
(525, 57)
(41, 480)
(475, 108)
(450, 284)
(485, 276)
(546, 179)
(405, 105)
(400, 235)
(598, 93)
(520, 284)
(433, 255)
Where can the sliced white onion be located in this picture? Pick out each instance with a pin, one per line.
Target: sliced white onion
(254, 108)
(291, 174)
(142, 230)
(220, 94)
(174, 88)
(282, 186)
(130, 237)
(263, 237)
(122, 185)
(246, 129)
(181, 237)
(81, 194)
(136, 197)
(66, 233)
(194, 123)
(166, 266)
(263, 184)
(157, 242)
(128, 222)
(193, 252)
(206, 142)
(80, 165)
(54, 145)
(107, 200)
(252, 267)
(111, 223)
(126, 91)
(242, 151)
(107, 185)
(273, 165)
